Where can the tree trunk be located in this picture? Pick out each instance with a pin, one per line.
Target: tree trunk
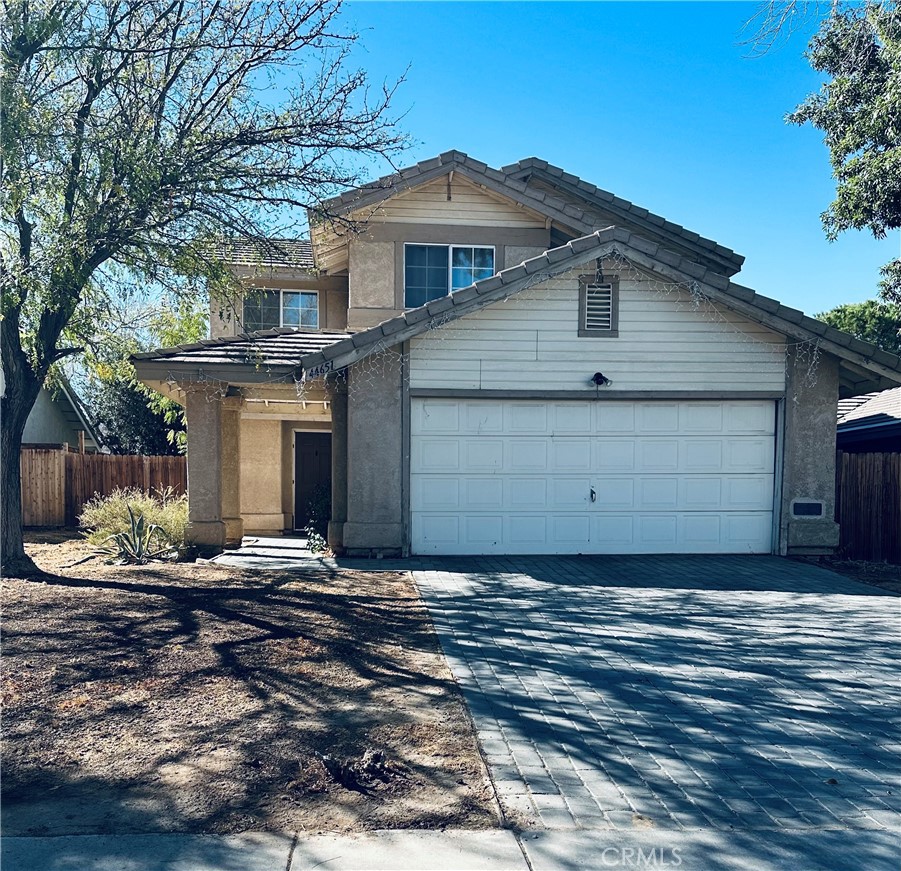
(21, 392)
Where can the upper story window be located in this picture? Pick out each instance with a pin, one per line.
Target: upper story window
(598, 307)
(433, 271)
(266, 309)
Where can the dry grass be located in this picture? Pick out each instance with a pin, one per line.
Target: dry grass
(183, 697)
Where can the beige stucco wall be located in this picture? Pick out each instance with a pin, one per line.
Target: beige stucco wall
(261, 476)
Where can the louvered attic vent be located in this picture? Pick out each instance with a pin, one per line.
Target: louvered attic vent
(599, 307)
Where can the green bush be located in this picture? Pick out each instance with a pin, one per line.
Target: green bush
(105, 516)
(319, 510)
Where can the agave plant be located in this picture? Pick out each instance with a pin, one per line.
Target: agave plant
(139, 544)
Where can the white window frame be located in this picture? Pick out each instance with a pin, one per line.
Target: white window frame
(281, 305)
(450, 261)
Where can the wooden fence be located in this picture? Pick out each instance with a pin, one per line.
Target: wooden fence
(868, 505)
(56, 482)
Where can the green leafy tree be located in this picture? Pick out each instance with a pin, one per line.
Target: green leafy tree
(858, 49)
(872, 321)
(135, 136)
(130, 423)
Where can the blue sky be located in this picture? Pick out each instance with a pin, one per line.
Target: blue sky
(657, 102)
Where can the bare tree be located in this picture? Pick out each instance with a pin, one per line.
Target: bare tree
(776, 20)
(137, 133)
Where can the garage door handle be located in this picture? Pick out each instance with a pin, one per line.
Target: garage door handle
(594, 496)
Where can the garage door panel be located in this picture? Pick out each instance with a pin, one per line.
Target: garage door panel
(569, 493)
(570, 419)
(658, 455)
(528, 455)
(570, 454)
(436, 455)
(528, 494)
(526, 417)
(614, 532)
(614, 417)
(657, 494)
(483, 494)
(436, 492)
(435, 416)
(516, 477)
(481, 417)
(657, 417)
(480, 454)
(528, 531)
(615, 455)
(571, 528)
(750, 417)
(749, 455)
(702, 455)
(701, 417)
(615, 494)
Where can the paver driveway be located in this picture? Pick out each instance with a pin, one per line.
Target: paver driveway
(676, 692)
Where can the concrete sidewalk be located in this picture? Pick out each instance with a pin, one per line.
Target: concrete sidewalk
(496, 850)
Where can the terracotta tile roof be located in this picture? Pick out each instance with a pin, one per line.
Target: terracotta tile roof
(575, 211)
(282, 347)
(270, 253)
(609, 202)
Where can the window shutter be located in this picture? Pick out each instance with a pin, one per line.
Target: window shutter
(598, 307)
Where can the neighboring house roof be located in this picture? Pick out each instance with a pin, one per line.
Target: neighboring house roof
(63, 397)
(270, 253)
(573, 203)
(866, 366)
(874, 410)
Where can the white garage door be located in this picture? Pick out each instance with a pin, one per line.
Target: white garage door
(520, 477)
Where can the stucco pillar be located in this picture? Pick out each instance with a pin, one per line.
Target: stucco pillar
(213, 466)
(375, 488)
(338, 399)
(230, 465)
(808, 476)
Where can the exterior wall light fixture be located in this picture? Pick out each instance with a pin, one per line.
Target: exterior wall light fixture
(599, 379)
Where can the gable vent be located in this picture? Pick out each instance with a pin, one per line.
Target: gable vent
(599, 307)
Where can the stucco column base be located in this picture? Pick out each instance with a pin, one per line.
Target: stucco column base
(365, 539)
(206, 534)
(234, 531)
(813, 537)
(336, 536)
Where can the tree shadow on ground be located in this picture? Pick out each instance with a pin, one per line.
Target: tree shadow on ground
(734, 692)
(172, 698)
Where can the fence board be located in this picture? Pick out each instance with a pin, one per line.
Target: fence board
(868, 505)
(43, 486)
(56, 482)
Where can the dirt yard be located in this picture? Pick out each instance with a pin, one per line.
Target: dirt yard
(201, 699)
(883, 575)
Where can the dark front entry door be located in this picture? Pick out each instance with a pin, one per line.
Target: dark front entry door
(312, 469)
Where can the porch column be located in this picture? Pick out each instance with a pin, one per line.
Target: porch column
(231, 468)
(214, 513)
(338, 400)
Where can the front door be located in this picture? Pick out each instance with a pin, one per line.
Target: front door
(312, 470)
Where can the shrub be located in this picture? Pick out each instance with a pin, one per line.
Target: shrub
(319, 510)
(142, 543)
(105, 516)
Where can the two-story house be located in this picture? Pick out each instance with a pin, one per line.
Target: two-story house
(512, 361)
